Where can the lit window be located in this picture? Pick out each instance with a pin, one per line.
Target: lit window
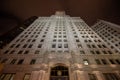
(85, 62)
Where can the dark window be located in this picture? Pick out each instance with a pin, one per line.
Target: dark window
(53, 45)
(40, 45)
(20, 52)
(30, 46)
(20, 61)
(42, 40)
(33, 61)
(111, 61)
(26, 52)
(4, 60)
(111, 76)
(82, 52)
(37, 52)
(65, 45)
(97, 61)
(59, 45)
(104, 61)
(92, 76)
(13, 61)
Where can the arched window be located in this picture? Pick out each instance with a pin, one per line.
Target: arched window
(59, 73)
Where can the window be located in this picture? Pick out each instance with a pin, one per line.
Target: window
(17, 45)
(77, 40)
(111, 61)
(12, 51)
(30, 46)
(79, 46)
(118, 61)
(33, 61)
(104, 61)
(37, 52)
(65, 45)
(97, 52)
(25, 46)
(111, 76)
(26, 52)
(97, 61)
(27, 76)
(110, 52)
(59, 45)
(20, 52)
(7, 76)
(20, 61)
(40, 45)
(92, 76)
(13, 61)
(92, 52)
(82, 52)
(54, 40)
(4, 60)
(85, 61)
(6, 51)
(53, 45)
(42, 40)
(12, 45)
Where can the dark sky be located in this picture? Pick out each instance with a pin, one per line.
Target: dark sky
(88, 10)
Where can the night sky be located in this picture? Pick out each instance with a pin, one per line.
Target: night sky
(88, 10)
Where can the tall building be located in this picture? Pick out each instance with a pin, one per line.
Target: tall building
(59, 47)
(110, 33)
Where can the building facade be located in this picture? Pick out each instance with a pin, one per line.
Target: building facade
(59, 47)
(110, 33)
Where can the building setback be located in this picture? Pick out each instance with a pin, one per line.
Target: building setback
(59, 47)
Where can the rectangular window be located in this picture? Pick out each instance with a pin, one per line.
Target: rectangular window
(20, 52)
(97, 61)
(118, 61)
(17, 45)
(82, 52)
(40, 45)
(79, 46)
(13, 61)
(111, 76)
(92, 76)
(26, 52)
(53, 45)
(27, 76)
(7, 76)
(104, 61)
(111, 61)
(12, 52)
(37, 52)
(59, 45)
(65, 45)
(33, 61)
(42, 40)
(85, 61)
(20, 61)
(30, 46)
(25, 46)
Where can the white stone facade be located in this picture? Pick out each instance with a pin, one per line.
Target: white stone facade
(59, 40)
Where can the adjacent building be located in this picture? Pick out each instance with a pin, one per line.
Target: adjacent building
(110, 33)
(59, 47)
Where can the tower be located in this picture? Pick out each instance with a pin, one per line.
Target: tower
(59, 47)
